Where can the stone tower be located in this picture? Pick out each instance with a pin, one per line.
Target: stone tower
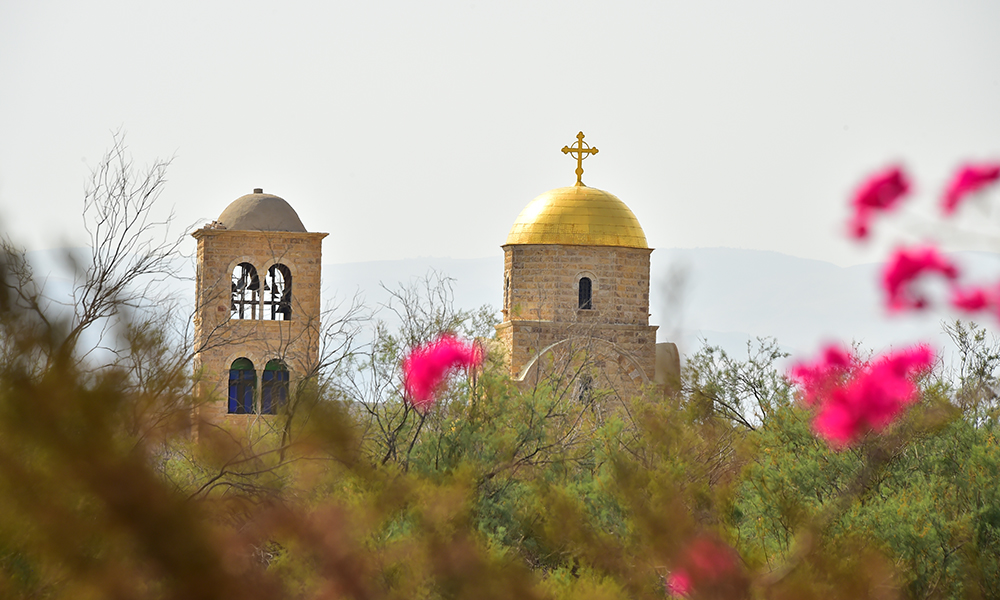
(576, 282)
(258, 307)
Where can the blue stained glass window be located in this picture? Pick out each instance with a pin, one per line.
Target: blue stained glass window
(274, 388)
(242, 385)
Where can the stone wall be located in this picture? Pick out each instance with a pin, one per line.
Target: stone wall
(221, 339)
(541, 283)
(524, 339)
(541, 300)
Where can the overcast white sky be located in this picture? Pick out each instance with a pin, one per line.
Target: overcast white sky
(409, 129)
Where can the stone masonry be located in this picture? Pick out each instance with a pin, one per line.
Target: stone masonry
(541, 300)
(221, 339)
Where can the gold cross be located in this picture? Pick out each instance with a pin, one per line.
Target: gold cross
(580, 150)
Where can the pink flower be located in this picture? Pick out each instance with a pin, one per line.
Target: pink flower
(818, 379)
(427, 366)
(709, 567)
(850, 404)
(968, 180)
(971, 299)
(880, 192)
(678, 583)
(904, 267)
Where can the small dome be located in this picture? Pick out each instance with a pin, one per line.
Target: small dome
(577, 216)
(261, 212)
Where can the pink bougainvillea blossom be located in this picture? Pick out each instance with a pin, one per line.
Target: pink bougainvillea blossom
(880, 192)
(678, 583)
(904, 267)
(819, 378)
(709, 566)
(868, 398)
(427, 366)
(969, 179)
(972, 299)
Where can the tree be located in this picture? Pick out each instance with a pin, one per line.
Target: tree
(370, 380)
(975, 380)
(746, 392)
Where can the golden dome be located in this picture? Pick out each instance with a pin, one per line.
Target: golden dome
(578, 216)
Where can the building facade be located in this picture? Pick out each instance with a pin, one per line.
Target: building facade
(257, 317)
(575, 300)
(576, 288)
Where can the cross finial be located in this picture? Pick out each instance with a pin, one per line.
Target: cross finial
(580, 150)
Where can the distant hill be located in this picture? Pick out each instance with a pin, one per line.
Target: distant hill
(722, 296)
(729, 295)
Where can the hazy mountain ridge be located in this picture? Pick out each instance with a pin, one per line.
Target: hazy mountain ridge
(722, 296)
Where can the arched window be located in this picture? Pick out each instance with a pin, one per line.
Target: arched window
(246, 292)
(278, 294)
(585, 293)
(274, 387)
(242, 385)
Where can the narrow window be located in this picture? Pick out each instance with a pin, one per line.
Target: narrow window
(585, 298)
(246, 292)
(242, 385)
(585, 390)
(274, 387)
(278, 294)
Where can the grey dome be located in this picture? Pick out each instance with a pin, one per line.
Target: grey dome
(261, 212)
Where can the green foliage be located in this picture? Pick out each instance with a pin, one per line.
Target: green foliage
(918, 496)
(498, 491)
(745, 392)
(974, 381)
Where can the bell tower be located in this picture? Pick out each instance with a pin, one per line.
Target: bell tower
(256, 322)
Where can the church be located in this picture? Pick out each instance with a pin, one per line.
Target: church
(575, 299)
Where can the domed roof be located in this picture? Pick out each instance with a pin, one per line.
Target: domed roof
(261, 212)
(580, 216)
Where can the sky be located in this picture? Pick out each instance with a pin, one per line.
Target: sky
(421, 129)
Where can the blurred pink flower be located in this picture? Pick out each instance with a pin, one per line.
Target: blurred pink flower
(707, 565)
(427, 366)
(678, 583)
(969, 179)
(880, 192)
(818, 379)
(906, 265)
(972, 299)
(869, 398)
